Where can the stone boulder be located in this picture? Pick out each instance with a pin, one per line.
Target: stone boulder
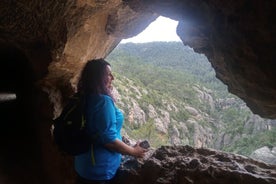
(187, 165)
(265, 154)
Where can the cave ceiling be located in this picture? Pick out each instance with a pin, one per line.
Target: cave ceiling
(58, 37)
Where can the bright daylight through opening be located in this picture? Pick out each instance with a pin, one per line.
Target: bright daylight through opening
(162, 29)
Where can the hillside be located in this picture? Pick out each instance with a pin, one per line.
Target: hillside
(170, 95)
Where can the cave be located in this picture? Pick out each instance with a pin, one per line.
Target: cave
(44, 44)
(19, 145)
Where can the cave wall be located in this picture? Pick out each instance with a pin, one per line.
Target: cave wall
(55, 39)
(238, 39)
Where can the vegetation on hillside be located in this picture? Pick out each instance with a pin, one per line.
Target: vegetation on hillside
(166, 74)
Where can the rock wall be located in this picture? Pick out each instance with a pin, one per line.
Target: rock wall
(237, 38)
(187, 165)
(53, 39)
(265, 154)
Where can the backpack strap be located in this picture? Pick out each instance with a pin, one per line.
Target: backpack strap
(92, 155)
(93, 138)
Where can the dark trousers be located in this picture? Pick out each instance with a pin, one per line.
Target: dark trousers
(120, 175)
(116, 180)
(80, 180)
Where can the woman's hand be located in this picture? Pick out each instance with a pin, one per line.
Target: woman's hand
(138, 151)
(121, 147)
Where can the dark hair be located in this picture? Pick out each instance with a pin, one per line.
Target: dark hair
(93, 78)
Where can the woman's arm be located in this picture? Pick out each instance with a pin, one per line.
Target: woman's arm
(108, 132)
(123, 148)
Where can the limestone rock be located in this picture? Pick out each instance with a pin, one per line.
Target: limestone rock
(184, 164)
(192, 111)
(265, 154)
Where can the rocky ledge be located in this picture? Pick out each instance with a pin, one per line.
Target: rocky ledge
(187, 165)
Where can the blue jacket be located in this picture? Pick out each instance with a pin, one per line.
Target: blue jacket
(104, 121)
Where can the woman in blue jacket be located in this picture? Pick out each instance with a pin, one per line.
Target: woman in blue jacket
(104, 122)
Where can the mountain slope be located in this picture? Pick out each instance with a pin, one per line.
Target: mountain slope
(170, 96)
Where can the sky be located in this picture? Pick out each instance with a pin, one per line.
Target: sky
(162, 29)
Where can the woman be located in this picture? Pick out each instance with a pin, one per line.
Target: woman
(104, 122)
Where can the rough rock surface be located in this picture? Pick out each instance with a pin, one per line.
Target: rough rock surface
(44, 44)
(187, 165)
(265, 154)
(236, 36)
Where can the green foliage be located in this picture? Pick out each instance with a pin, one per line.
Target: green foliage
(148, 132)
(246, 145)
(169, 73)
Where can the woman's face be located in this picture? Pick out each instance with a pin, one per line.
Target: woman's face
(110, 77)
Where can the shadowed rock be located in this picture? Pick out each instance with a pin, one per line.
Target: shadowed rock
(187, 165)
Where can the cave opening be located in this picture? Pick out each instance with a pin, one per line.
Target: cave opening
(19, 146)
(214, 97)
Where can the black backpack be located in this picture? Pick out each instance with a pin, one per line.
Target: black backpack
(70, 132)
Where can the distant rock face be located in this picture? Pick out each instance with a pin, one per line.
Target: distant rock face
(136, 115)
(187, 165)
(265, 154)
